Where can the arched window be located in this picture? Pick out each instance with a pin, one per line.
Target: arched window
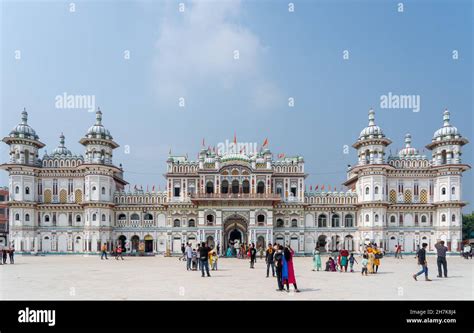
(443, 218)
(177, 223)
(367, 190)
(225, 186)
(148, 217)
(103, 190)
(94, 217)
(191, 223)
(322, 221)
(280, 223)
(103, 218)
(443, 157)
(453, 218)
(78, 218)
(235, 186)
(46, 218)
(27, 217)
(443, 191)
(423, 218)
(210, 219)
(209, 187)
(376, 218)
(294, 223)
(453, 190)
(94, 188)
(392, 219)
(335, 221)
(246, 186)
(376, 190)
(261, 219)
(122, 217)
(349, 221)
(17, 190)
(27, 190)
(366, 217)
(135, 217)
(261, 187)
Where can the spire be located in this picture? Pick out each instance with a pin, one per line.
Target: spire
(408, 140)
(98, 117)
(61, 140)
(24, 117)
(371, 117)
(446, 118)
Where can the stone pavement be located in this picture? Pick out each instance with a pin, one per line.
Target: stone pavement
(71, 277)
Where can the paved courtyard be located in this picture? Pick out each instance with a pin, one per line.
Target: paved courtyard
(135, 278)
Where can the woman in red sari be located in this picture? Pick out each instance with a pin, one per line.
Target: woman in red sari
(288, 274)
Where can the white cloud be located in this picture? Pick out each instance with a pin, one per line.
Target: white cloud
(195, 53)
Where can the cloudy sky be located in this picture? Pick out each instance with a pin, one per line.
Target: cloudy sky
(166, 78)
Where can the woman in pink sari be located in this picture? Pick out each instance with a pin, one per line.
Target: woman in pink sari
(288, 273)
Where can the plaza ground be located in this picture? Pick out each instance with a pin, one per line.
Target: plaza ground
(155, 278)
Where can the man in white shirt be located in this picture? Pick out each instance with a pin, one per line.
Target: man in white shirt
(188, 252)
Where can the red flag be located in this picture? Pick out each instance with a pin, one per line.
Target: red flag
(265, 143)
(316, 187)
(334, 188)
(153, 189)
(311, 187)
(322, 188)
(235, 138)
(329, 187)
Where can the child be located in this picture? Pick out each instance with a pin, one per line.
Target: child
(316, 260)
(351, 262)
(364, 264)
(214, 260)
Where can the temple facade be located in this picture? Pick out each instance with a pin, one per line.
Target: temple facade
(66, 203)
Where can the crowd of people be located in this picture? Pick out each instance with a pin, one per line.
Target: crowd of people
(7, 253)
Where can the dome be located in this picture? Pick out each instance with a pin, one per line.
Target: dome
(61, 149)
(447, 131)
(98, 130)
(23, 130)
(408, 150)
(235, 157)
(371, 131)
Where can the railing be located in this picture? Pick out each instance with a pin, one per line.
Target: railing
(135, 223)
(236, 196)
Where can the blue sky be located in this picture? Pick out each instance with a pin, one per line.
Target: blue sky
(190, 55)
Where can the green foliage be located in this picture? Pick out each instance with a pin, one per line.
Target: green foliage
(468, 226)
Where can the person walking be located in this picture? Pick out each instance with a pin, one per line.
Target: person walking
(183, 254)
(316, 259)
(103, 250)
(119, 253)
(351, 260)
(11, 252)
(421, 255)
(253, 255)
(198, 256)
(269, 254)
(467, 251)
(278, 259)
(441, 260)
(377, 256)
(214, 258)
(371, 258)
(364, 264)
(204, 258)
(189, 256)
(344, 259)
(4, 255)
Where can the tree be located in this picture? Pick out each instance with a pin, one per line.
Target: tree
(468, 226)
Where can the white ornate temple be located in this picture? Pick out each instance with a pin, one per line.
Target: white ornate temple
(65, 203)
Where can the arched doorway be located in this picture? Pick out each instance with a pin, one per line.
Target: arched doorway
(148, 243)
(135, 242)
(235, 231)
(260, 242)
(46, 244)
(121, 241)
(210, 241)
(321, 244)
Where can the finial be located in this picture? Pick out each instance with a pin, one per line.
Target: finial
(24, 116)
(98, 117)
(371, 117)
(408, 140)
(61, 139)
(446, 117)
